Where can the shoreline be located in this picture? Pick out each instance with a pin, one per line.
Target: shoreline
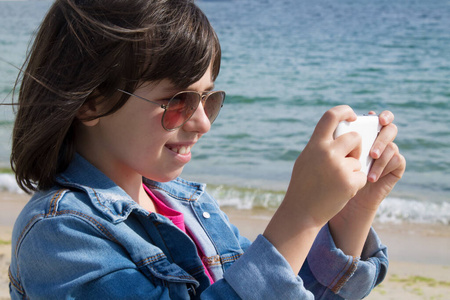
(419, 253)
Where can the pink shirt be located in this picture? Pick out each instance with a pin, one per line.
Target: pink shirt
(176, 217)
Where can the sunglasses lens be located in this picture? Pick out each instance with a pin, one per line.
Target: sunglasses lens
(213, 104)
(183, 105)
(180, 108)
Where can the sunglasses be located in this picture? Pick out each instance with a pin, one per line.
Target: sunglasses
(183, 105)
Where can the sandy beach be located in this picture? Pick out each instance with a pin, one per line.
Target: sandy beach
(419, 254)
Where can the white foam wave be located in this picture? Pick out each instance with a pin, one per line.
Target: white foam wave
(392, 210)
(8, 184)
(396, 210)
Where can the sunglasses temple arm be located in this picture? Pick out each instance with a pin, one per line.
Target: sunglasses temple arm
(142, 98)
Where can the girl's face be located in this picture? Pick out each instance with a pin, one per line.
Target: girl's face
(131, 142)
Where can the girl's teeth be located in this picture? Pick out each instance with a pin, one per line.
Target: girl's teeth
(183, 150)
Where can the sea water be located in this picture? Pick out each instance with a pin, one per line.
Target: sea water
(284, 63)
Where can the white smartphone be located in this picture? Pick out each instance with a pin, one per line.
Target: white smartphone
(368, 126)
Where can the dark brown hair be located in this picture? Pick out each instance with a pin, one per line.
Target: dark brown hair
(86, 50)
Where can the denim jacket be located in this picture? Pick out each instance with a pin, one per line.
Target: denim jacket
(87, 239)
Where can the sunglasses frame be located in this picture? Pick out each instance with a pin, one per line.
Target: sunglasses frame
(203, 98)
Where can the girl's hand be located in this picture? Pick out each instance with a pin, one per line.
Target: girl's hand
(387, 169)
(325, 176)
(327, 172)
(351, 225)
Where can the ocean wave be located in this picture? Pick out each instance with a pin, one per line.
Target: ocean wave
(8, 184)
(392, 209)
(245, 198)
(396, 210)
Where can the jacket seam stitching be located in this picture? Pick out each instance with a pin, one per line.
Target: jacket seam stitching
(337, 287)
(217, 260)
(56, 197)
(90, 219)
(25, 229)
(150, 259)
(14, 282)
(231, 258)
(332, 285)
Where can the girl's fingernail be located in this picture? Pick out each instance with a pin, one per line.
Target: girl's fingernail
(376, 152)
(372, 177)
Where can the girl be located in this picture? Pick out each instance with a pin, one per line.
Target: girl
(114, 96)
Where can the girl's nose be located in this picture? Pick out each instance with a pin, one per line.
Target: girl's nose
(199, 122)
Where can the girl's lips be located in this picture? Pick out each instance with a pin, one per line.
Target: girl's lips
(183, 150)
(180, 149)
(182, 154)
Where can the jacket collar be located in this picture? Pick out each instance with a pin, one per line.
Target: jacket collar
(178, 189)
(112, 200)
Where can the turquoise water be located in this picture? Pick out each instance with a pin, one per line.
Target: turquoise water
(284, 64)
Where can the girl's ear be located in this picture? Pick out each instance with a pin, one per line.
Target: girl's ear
(87, 114)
